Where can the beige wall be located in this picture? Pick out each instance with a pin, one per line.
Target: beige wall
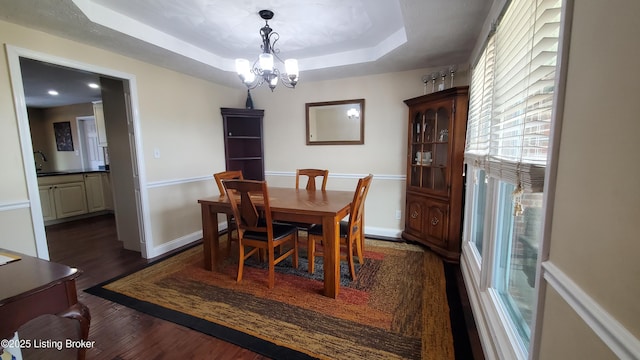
(385, 139)
(571, 338)
(43, 137)
(178, 114)
(594, 237)
(595, 233)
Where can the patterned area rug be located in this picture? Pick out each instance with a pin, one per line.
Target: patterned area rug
(397, 308)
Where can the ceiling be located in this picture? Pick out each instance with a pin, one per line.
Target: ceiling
(331, 38)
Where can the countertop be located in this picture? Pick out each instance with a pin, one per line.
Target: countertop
(70, 172)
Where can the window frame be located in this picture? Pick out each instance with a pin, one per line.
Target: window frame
(499, 339)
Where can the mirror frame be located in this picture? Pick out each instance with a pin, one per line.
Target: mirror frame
(360, 141)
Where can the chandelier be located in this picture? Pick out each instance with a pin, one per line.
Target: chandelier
(264, 69)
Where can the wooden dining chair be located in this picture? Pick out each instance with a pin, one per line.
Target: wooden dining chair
(311, 175)
(231, 223)
(249, 200)
(351, 231)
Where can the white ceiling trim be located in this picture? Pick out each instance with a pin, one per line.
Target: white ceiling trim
(114, 20)
(356, 56)
(106, 17)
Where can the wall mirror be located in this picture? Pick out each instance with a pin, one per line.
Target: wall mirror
(335, 122)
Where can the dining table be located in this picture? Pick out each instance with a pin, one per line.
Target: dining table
(326, 207)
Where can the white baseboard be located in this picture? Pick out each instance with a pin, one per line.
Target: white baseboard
(383, 232)
(197, 235)
(180, 242)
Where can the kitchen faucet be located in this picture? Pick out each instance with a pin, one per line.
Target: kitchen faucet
(39, 164)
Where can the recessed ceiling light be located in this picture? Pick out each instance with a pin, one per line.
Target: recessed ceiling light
(93, 85)
(53, 92)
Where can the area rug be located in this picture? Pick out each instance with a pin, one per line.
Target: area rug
(397, 308)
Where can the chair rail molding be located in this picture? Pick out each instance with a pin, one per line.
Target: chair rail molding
(342, 175)
(620, 340)
(9, 206)
(173, 182)
(497, 343)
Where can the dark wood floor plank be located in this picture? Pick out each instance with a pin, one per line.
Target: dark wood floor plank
(91, 245)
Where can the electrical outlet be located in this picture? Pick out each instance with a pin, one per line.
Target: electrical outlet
(398, 214)
(156, 153)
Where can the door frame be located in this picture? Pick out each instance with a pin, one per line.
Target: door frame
(14, 54)
(81, 139)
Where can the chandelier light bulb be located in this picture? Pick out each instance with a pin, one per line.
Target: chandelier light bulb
(242, 66)
(266, 62)
(249, 77)
(291, 67)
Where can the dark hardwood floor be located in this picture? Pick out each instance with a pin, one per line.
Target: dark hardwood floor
(122, 333)
(119, 332)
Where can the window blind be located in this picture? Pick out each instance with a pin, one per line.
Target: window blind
(512, 95)
(480, 101)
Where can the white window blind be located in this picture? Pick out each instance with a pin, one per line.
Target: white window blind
(480, 101)
(512, 95)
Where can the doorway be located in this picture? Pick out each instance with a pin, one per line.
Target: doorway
(132, 224)
(91, 155)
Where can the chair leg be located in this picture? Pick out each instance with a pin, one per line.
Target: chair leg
(240, 261)
(229, 240)
(352, 269)
(230, 227)
(311, 253)
(359, 248)
(295, 251)
(272, 268)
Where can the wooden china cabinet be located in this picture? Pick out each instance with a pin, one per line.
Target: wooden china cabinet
(435, 185)
(243, 141)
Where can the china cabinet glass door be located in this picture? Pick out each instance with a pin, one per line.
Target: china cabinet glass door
(430, 149)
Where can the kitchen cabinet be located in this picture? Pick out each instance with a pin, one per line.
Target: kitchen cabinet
(435, 185)
(47, 202)
(62, 196)
(98, 114)
(70, 199)
(243, 141)
(94, 191)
